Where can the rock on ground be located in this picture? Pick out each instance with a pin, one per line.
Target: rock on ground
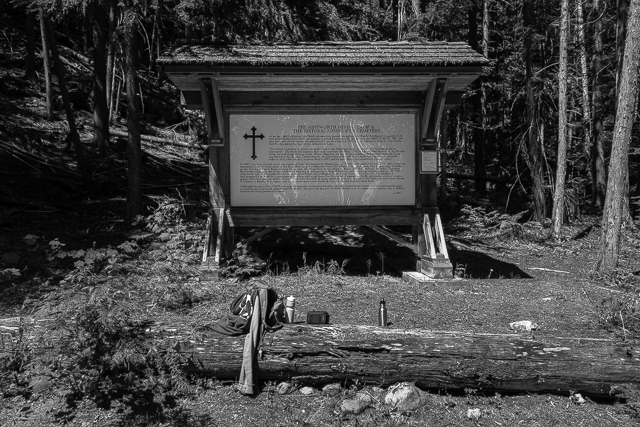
(307, 390)
(404, 397)
(356, 405)
(332, 389)
(474, 414)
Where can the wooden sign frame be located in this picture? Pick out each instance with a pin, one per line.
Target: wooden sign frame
(223, 84)
(406, 213)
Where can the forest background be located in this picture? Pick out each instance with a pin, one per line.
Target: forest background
(543, 138)
(537, 130)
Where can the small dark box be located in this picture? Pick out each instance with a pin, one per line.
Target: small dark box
(317, 317)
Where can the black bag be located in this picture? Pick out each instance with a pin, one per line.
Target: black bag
(238, 320)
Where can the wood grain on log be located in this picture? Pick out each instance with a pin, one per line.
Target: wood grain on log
(432, 359)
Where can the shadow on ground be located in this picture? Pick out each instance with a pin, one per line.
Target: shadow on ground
(360, 250)
(364, 250)
(477, 265)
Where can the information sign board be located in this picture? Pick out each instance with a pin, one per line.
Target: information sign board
(322, 159)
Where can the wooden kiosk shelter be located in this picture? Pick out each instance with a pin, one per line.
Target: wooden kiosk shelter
(334, 133)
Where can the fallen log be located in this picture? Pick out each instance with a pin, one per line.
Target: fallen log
(155, 139)
(431, 359)
(444, 360)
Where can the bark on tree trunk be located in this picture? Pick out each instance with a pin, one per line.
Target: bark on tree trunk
(487, 136)
(534, 157)
(625, 111)
(598, 168)
(30, 69)
(586, 99)
(46, 64)
(100, 107)
(83, 164)
(86, 29)
(476, 112)
(111, 49)
(154, 46)
(622, 12)
(561, 168)
(134, 149)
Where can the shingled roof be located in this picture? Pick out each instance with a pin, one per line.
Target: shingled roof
(328, 53)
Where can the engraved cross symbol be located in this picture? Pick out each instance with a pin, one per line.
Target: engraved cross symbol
(253, 136)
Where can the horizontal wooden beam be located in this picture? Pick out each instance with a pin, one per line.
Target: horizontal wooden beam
(321, 83)
(356, 99)
(266, 217)
(319, 69)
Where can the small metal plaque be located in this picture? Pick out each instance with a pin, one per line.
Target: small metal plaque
(429, 161)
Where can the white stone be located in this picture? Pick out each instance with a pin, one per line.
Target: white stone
(356, 405)
(578, 399)
(523, 325)
(332, 389)
(474, 414)
(307, 390)
(284, 388)
(404, 397)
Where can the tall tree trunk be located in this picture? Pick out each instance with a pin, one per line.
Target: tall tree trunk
(100, 106)
(83, 164)
(487, 136)
(561, 169)
(625, 111)
(598, 169)
(535, 154)
(400, 7)
(584, 68)
(622, 14)
(111, 49)
(30, 69)
(46, 64)
(134, 150)
(86, 28)
(155, 45)
(476, 109)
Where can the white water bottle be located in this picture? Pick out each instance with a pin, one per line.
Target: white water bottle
(290, 309)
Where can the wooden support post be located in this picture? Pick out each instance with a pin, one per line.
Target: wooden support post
(217, 103)
(229, 237)
(438, 108)
(428, 234)
(442, 246)
(428, 239)
(207, 240)
(220, 243)
(435, 263)
(426, 111)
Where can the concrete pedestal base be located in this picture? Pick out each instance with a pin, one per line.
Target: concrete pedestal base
(438, 268)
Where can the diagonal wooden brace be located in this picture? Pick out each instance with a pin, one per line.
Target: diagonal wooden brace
(434, 258)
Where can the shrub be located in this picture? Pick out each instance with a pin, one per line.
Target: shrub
(102, 352)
